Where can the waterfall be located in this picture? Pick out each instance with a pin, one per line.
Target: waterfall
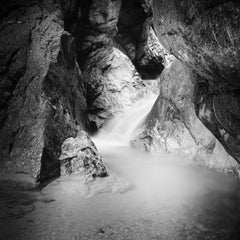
(121, 128)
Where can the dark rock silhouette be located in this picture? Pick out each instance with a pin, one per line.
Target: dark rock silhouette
(43, 98)
(137, 37)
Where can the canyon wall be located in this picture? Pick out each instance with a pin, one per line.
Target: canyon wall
(63, 72)
(115, 42)
(204, 35)
(67, 67)
(172, 125)
(42, 97)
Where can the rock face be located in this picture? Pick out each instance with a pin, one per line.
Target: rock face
(166, 125)
(42, 96)
(112, 90)
(172, 124)
(106, 71)
(49, 88)
(137, 37)
(109, 76)
(79, 156)
(204, 35)
(70, 65)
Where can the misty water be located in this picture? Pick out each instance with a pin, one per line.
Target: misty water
(146, 197)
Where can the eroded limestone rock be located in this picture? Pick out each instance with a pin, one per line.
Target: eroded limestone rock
(137, 37)
(110, 78)
(111, 91)
(45, 96)
(173, 126)
(204, 35)
(42, 95)
(79, 155)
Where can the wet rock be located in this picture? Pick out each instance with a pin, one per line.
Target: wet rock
(111, 91)
(109, 76)
(44, 95)
(205, 36)
(79, 156)
(173, 126)
(166, 126)
(45, 101)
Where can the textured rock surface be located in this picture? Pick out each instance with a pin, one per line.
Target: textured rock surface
(171, 111)
(45, 97)
(138, 38)
(205, 36)
(94, 36)
(42, 96)
(110, 78)
(113, 90)
(173, 126)
(79, 156)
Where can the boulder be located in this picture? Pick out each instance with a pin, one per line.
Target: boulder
(173, 126)
(79, 155)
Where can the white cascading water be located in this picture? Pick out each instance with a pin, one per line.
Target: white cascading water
(120, 129)
(128, 167)
(161, 175)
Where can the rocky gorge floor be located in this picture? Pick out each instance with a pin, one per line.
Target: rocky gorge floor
(161, 199)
